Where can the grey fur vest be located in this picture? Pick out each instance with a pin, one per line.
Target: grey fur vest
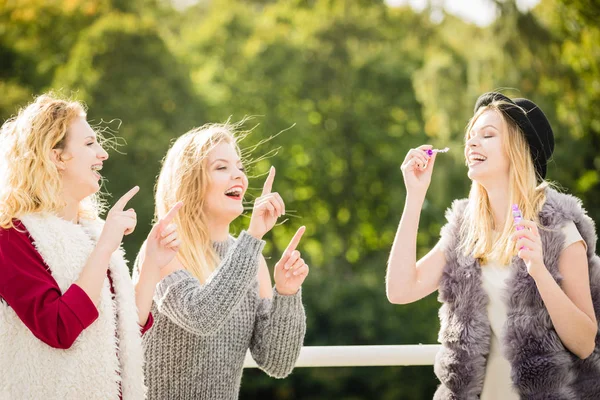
(541, 367)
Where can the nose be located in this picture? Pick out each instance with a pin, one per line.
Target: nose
(102, 155)
(238, 174)
(472, 142)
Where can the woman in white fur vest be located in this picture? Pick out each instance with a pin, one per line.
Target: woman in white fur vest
(515, 266)
(70, 318)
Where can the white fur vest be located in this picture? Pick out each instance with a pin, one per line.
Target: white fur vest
(105, 354)
(541, 367)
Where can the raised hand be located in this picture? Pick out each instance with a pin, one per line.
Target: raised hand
(291, 270)
(163, 241)
(267, 208)
(417, 169)
(118, 222)
(529, 243)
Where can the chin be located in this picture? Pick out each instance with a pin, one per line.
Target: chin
(232, 213)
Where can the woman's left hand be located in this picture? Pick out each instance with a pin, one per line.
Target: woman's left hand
(529, 243)
(291, 270)
(163, 241)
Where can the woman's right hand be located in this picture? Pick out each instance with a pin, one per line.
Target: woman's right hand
(118, 223)
(267, 208)
(416, 170)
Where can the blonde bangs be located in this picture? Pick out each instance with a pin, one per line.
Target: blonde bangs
(478, 231)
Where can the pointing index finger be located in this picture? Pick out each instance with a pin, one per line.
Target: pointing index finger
(295, 240)
(172, 213)
(269, 182)
(122, 202)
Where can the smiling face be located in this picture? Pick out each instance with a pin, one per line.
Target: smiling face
(227, 183)
(80, 161)
(484, 150)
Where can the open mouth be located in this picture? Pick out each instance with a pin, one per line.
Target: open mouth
(476, 159)
(235, 193)
(96, 169)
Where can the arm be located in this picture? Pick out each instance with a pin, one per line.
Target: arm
(278, 334)
(159, 249)
(27, 286)
(118, 223)
(408, 280)
(265, 289)
(202, 308)
(571, 308)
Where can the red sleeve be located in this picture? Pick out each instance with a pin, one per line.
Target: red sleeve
(149, 323)
(27, 286)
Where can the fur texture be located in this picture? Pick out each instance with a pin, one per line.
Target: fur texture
(541, 367)
(97, 361)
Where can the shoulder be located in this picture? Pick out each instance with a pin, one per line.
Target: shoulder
(17, 235)
(456, 209)
(17, 248)
(561, 208)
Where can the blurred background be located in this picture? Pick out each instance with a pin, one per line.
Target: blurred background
(359, 82)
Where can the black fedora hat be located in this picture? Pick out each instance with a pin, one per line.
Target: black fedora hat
(532, 121)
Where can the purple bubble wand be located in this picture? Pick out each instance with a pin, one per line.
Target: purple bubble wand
(431, 151)
(517, 217)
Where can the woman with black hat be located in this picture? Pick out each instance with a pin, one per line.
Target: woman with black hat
(520, 295)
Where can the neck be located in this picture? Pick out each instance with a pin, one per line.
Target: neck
(218, 230)
(71, 211)
(499, 202)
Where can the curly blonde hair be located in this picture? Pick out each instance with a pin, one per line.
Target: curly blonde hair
(29, 180)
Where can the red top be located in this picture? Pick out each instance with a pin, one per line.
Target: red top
(27, 286)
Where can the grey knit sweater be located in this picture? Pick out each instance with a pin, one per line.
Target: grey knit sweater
(197, 345)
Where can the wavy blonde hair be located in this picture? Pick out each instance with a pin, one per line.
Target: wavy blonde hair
(29, 180)
(524, 190)
(184, 177)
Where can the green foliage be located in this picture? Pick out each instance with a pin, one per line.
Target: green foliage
(358, 84)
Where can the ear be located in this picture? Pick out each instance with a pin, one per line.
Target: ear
(55, 156)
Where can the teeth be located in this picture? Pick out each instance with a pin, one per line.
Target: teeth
(96, 167)
(477, 158)
(236, 192)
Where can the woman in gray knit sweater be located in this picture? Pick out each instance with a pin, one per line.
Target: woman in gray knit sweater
(215, 300)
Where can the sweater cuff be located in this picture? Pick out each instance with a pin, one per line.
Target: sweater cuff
(287, 304)
(169, 280)
(254, 245)
(80, 304)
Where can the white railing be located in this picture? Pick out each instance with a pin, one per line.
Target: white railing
(362, 356)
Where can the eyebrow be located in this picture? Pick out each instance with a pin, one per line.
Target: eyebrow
(224, 160)
(483, 127)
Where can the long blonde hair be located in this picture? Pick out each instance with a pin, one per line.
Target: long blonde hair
(524, 190)
(29, 180)
(184, 177)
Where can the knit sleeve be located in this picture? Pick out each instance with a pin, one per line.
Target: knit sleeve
(202, 308)
(278, 334)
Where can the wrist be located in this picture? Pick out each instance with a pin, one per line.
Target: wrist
(539, 273)
(103, 248)
(284, 292)
(149, 272)
(415, 200)
(254, 234)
